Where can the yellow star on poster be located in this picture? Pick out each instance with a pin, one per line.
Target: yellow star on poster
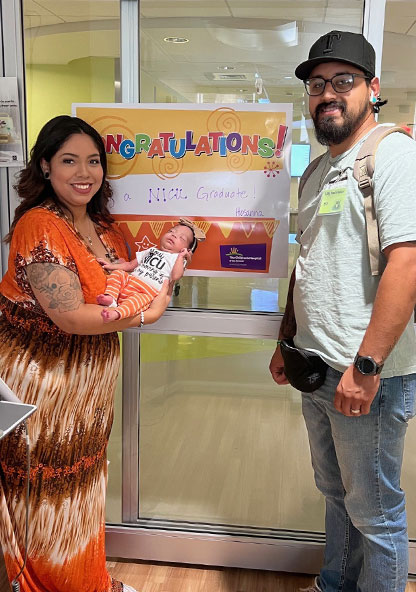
(144, 244)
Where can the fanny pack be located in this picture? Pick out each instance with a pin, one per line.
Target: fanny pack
(305, 370)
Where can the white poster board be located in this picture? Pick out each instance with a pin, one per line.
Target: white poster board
(226, 167)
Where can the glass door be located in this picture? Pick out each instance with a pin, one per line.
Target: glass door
(220, 445)
(215, 450)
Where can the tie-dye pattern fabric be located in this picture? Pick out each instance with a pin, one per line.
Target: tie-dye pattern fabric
(71, 379)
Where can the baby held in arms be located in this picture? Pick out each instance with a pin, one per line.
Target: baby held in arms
(132, 285)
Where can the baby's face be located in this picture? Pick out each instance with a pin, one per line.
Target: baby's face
(177, 238)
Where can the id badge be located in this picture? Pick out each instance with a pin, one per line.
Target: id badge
(332, 201)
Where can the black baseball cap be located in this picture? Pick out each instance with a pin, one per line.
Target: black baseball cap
(340, 46)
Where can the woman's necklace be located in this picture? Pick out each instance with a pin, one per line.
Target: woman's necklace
(86, 236)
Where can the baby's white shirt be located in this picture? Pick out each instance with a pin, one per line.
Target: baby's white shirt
(154, 266)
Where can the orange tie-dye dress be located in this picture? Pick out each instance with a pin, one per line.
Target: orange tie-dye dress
(71, 379)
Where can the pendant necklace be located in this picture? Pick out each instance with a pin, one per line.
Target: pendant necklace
(108, 254)
(87, 236)
(87, 239)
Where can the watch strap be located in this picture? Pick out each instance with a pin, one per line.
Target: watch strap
(377, 367)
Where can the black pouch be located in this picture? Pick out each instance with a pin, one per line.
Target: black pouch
(304, 370)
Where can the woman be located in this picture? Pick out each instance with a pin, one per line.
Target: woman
(57, 353)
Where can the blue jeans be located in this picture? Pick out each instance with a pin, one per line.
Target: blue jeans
(357, 463)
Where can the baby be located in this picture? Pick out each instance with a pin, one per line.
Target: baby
(132, 285)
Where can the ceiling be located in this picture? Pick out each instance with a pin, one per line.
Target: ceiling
(256, 39)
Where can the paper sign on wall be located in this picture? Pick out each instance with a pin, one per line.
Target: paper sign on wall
(225, 167)
(11, 150)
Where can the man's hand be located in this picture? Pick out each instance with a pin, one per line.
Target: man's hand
(276, 367)
(355, 392)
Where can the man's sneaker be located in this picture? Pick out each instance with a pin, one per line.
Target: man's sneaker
(313, 588)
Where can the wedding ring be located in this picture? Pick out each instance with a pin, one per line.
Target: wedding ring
(356, 411)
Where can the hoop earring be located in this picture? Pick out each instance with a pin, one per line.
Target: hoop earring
(46, 175)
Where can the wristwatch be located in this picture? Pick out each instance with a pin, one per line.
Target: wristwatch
(367, 366)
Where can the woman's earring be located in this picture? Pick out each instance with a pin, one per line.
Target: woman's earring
(46, 175)
(373, 98)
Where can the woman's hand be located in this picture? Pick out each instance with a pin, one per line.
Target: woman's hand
(122, 264)
(58, 291)
(159, 304)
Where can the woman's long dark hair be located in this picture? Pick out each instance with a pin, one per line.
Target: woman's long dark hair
(33, 189)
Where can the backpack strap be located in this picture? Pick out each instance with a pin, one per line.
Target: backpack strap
(307, 173)
(363, 173)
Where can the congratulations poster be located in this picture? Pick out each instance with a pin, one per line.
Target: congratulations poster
(224, 167)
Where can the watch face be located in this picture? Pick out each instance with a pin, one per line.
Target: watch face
(367, 366)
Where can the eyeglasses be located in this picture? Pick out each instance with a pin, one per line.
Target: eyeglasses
(341, 83)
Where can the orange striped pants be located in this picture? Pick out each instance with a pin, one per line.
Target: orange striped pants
(131, 294)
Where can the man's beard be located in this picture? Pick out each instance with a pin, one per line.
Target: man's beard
(329, 133)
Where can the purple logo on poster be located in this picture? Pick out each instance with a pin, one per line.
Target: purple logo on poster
(243, 256)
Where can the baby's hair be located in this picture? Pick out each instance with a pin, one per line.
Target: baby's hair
(194, 242)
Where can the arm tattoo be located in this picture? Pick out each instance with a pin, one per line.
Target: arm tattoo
(59, 286)
(390, 349)
(288, 324)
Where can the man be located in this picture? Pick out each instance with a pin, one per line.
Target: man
(359, 324)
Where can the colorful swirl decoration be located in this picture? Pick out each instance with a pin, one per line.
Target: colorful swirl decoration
(225, 120)
(167, 167)
(239, 163)
(118, 167)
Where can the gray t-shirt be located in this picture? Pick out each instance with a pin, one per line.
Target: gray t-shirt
(334, 290)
